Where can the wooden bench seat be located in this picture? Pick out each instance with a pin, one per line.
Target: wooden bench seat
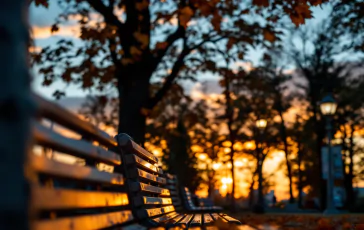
(154, 196)
(68, 196)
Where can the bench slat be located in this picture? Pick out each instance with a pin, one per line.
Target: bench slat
(207, 219)
(151, 177)
(138, 149)
(196, 221)
(229, 218)
(78, 148)
(50, 198)
(158, 211)
(132, 159)
(157, 200)
(175, 220)
(166, 217)
(47, 166)
(89, 222)
(56, 113)
(135, 186)
(185, 220)
(215, 216)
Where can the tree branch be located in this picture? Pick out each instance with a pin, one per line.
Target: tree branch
(107, 13)
(179, 33)
(207, 40)
(170, 79)
(175, 70)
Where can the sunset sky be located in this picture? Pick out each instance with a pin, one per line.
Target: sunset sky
(41, 19)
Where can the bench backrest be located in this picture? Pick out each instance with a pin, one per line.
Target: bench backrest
(182, 197)
(187, 199)
(172, 185)
(75, 196)
(149, 196)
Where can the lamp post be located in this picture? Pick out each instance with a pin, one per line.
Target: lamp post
(328, 108)
(260, 124)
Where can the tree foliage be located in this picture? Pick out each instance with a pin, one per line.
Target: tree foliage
(127, 44)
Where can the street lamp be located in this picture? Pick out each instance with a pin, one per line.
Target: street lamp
(328, 108)
(261, 124)
(259, 208)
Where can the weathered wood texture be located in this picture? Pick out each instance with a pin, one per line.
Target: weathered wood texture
(16, 109)
(79, 195)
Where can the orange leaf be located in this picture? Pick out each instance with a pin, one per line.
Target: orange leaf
(216, 21)
(140, 6)
(145, 111)
(269, 36)
(297, 19)
(126, 61)
(135, 52)
(304, 11)
(230, 43)
(142, 38)
(264, 3)
(161, 45)
(42, 2)
(185, 16)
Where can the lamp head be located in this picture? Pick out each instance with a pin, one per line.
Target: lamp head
(328, 106)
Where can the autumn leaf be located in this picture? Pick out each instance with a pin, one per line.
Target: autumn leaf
(317, 2)
(142, 38)
(127, 61)
(304, 10)
(216, 21)
(161, 45)
(205, 9)
(135, 52)
(146, 112)
(269, 36)
(43, 3)
(297, 19)
(140, 6)
(58, 94)
(185, 16)
(241, 55)
(54, 28)
(263, 3)
(230, 43)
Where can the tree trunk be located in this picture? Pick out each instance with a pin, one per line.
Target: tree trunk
(300, 187)
(233, 208)
(230, 119)
(211, 187)
(251, 190)
(16, 110)
(260, 182)
(288, 163)
(133, 97)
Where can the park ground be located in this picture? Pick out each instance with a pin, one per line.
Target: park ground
(301, 221)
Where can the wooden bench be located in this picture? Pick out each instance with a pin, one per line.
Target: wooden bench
(75, 197)
(184, 197)
(153, 198)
